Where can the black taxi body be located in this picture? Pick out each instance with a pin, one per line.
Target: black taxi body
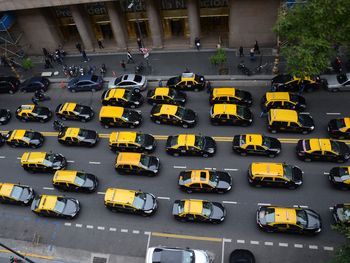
(115, 116)
(205, 181)
(136, 163)
(188, 81)
(122, 97)
(283, 100)
(341, 213)
(73, 111)
(339, 128)
(43, 162)
(288, 219)
(230, 95)
(191, 144)
(316, 149)
(5, 116)
(24, 138)
(289, 83)
(340, 177)
(256, 144)
(275, 175)
(165, 95)
(2, 139)
(230, 114)
(131, 142)
(76, 181)
(78, 137)
(174, 115)
(56, 206)
(16, 194)
(31, 112)
(195, 210)
(130, 201)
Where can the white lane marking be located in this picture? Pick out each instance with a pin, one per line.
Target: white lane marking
(283, 244)
(240, 241)
(163, 197)
(101, 228)
(2, 157)
(48, 188)
(94, 162)
(78, 225)
(230, 169)
(313, 247)
(19, 158)
(331, 208)
(148, 239)
(267, 243)
(328, 248)
(180, 167)
(90, 226)
(264, 204)
(307, 113)
(229, 202)
(101, 193)
(70, 161)
(209, 168)
(253, 242)
(136, 231)
(301, 206)
(112, 229)
(298, 246)
(227, 240)
(124, 230)
(333, 113)
(326, 173)
(67, 224)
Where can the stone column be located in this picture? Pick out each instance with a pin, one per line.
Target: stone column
(155, 25)
(193, 20)
(117, 23)
(82, 21)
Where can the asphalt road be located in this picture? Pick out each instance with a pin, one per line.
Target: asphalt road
(99, 230)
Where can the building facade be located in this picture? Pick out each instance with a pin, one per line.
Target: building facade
(232, 23)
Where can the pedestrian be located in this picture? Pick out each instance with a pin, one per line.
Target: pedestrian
(50, 57)
(256, 47)
(160, 83)
(85, 58)
(123, 65)
(130, 58)
(197, 43)
(48, 63)
(301, 88)
(264, 112)
(252, 54)
(78, 46)
(100, 44)
(139, 43)
(45, 52)
(209, 88)
(241, 52)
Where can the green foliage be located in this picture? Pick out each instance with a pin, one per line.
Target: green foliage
(27, 63)
(342, 254)
(219, 58)
(309, 32)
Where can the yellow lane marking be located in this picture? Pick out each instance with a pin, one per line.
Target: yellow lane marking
(29, 254)
(211, 239)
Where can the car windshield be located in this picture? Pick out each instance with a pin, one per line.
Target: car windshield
(16, 192)
(78, 108)
(207, 209)
(80, 179)
(266, 142)
(28, 135)
(127, 115)
(140, 139)
(83, 133)
(137, 78)
(38, 110)
(340, 123)
(342, 78)
(270, 215)
(288, 171)
(172, 93)
(335, 146)
(117, 80)
(242, 139)
(301, 218)
(186, 177)
(213, 179)
(180, 112)
(199, 142)
(145, 160)
(139, 200)
(60, 204)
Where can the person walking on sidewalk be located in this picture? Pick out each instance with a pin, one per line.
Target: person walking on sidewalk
(241, 52)
(85, 58)
(78, 46)
(45, 52)
(129, 56)
(252, 54)
(139, 43)
(256, 47)
(100, 44)
(48, 63)
(123, 65)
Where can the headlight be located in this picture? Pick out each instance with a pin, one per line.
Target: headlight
(148, 211)
(137, 122)
(312, 127)
(136, 102)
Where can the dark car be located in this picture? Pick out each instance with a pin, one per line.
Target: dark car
(230, 95)
(188, 81)
(256, 144)
(24, 138)
(341, 213)
(287, 82)
(132, 142)
(16, 194)
(86, 82)
(33, 112)
(165, 95)
(282, 100)
(242, 256)
(230, 114)
(5, 116)
(78, 137)
(122, 97)
(173, 115)
(35, 84)
(339, 128)
(9, 84)
(340, 177)
(74, 111)
(205, 181)
(69, 180)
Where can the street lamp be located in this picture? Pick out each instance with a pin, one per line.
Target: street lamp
(132, 5)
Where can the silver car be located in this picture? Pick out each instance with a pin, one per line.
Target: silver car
(130, 81)
(178, 255)
(340, 82)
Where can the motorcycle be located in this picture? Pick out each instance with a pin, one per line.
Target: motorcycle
(244, 69)
(58, 125)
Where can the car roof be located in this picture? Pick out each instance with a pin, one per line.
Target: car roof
(111, 111)
(186, 139)
(253, 139)
(283, 115)
(192, 206)
(122, 137)
(6, 189)
(168, 109)
(226, 91)
(85, 77)
(129, 158)
(271, 96)
(115, 93)
(47, 202)
(120, 196)
(225, 109)
(67, 176)
(26, 108)
(273, 169)
(35, 157)
(71, 132)
(68, 106)
(161, 91)
(17, 134)
(285, 215)
(197, 178)
(320, 144)
(128, 77)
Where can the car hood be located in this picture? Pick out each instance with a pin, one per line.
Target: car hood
(86, 110)
(314, 220)
(27, 195)
(344, 149)
(218, 211)
(308, 121)
(151, 202)
(149, 141)
(209, 143)
(171, 81)
(275, 143)
(59, 161)
(297, 174)
(189, 115)
(154, 163)
(91, 181)
(91, 135)
(201, 256)
(72, 207)
(225, 180)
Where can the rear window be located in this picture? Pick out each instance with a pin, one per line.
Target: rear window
(137, 78)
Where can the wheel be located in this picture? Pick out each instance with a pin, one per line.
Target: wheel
(63, 118)
(243, 154)
(11, 91)
(271, 155)
(93, 90)
(205, 155)
(307, 159)
(73, 90)
(184, 125)
(304, 132)
(273, 131)
(189, 191)
(137, 90)
(157, 121)
(176, 154)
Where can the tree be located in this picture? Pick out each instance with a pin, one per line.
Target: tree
(310, 31)
(342, 254)
(219, 59)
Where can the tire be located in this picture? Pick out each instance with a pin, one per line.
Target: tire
(73, 90)
(304, 132)
(271, 155)
(185, 126)
(137, 90)
(157, 121)
(176, 154)
(205, 155)
(11, 91)
(307, 160)
(243, 154)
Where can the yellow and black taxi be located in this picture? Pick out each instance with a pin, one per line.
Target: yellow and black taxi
(122, 97)
(316, 149)
(56, 206)
(287, 82)
(288, 219)
(283, 100)
(5, 116)
(199, 211)
(131, 142)
(281, 120)
(341, 213)
(78, 137)
(31, 112)
(230, 114)
(73, 111)
(256, 144)
(130, 201)
(114, 116)
(339, 128)
(174, 115)
(16, 194)
(43, 162)
(340, 177)
(275, 175)
(24, 138)
(136, 163)
(71, 180)
(190, 144)
(2, 139)
(230, 95)
(188, 81)
(165, 95)
(205, 181)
